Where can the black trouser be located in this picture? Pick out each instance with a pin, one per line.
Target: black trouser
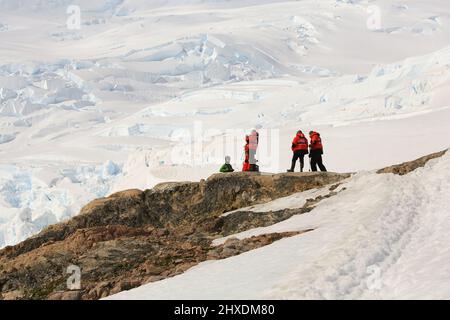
(316, 160)
(301, 156)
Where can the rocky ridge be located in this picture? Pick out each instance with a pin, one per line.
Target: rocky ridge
(135, 237)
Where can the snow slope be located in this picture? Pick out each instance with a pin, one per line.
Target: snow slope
(152, 91)
(384, 237)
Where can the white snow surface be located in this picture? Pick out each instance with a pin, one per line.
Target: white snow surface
(384, 237)
(85, 113)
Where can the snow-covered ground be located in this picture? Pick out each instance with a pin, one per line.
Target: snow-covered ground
(151, 91)
(383, 237)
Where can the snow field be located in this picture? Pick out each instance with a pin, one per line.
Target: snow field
(383, 237)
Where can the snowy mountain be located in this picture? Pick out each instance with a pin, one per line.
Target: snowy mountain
(88, 111)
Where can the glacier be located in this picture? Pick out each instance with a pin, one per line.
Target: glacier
(85, 113)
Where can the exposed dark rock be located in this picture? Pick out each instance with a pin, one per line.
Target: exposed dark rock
(65, 295)
(234, 246)
(134, 236)
(239, 221)
(407, 167)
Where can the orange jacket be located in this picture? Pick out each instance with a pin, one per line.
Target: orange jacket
(316, 142)
(246, 164)
(300, 143)
(247, 147)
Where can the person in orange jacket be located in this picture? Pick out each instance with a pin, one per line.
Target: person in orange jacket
(316, 151)
(300, 149)
(246, 165)
(251, 146)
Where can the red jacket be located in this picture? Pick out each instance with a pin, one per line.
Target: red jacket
(247, 147)
(300, 143)
(316, 142)
(247, 151)
(246, 165)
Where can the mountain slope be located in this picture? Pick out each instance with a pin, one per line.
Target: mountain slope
(292, 235)
(384, 236)
(85, 113)
(137, 236)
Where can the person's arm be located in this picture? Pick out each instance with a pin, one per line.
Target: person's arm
(223, 169)
(294, 143)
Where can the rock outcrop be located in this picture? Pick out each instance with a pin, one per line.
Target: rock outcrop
(407, 167)
(134, 237)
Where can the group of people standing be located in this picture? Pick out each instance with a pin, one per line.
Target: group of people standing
(250, 148)
(300, 148)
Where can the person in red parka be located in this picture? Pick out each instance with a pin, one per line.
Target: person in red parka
(316, 151)
(246, 166)
(300, 149)
(251, 146)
